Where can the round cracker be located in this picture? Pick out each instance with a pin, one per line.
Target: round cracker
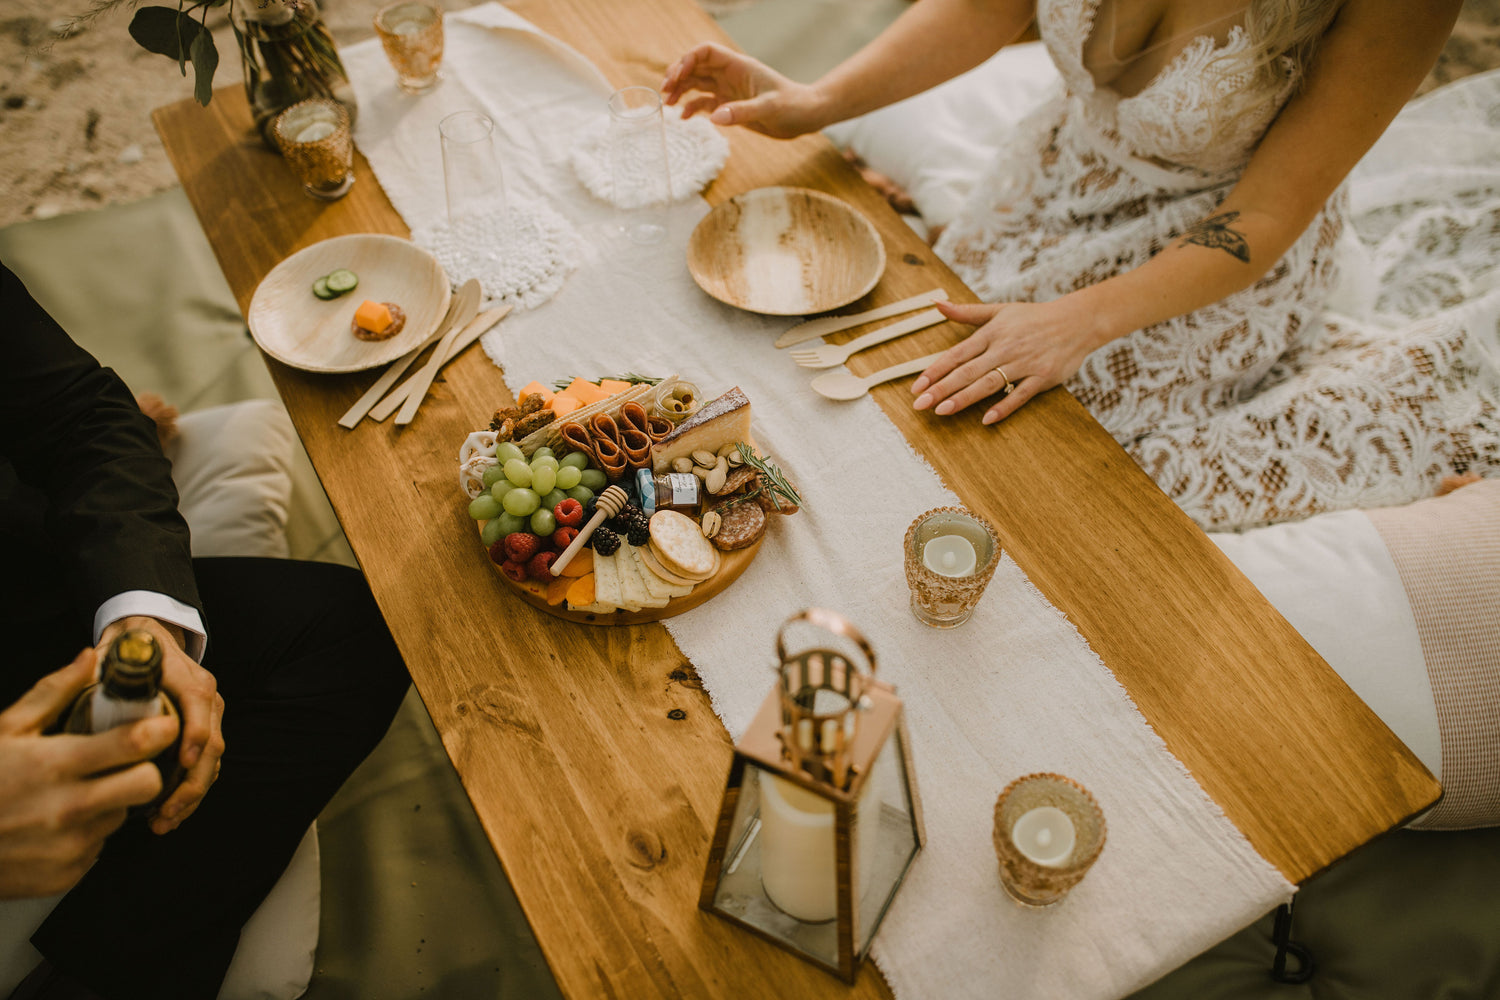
(680, 545)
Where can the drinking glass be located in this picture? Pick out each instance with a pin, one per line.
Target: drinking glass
(1048, 833)
(950, 557)
(471, 168)
(314, 138)
(641, 182)
(412, 35)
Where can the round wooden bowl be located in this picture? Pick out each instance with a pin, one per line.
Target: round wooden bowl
(730, 568)
(297, 328)
(785, 252)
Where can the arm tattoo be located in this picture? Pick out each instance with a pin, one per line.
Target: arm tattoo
(1214, 231)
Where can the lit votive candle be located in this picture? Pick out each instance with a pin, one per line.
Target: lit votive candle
(316, 132)
(950, 555)
(1045, 835)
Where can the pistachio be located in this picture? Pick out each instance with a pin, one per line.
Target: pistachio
(704, 458)
(711, 523)
(714, 481)
(732, 448)
(701, 472)
(683, 464)
(736, 460)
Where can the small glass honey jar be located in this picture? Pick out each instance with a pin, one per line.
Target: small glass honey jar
(679, 491)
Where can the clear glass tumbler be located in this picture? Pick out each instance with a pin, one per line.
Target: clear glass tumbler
(1048, 834)
(412, 35)
(641, 181)
(950, 557)
(315, 140)
(471, 167)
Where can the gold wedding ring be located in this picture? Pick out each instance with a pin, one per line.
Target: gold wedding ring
(1009, 385)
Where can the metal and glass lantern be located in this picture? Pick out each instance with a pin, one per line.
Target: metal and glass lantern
(821, 817)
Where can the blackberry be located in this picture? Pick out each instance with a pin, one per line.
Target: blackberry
(639, 534)
(630, 512)
(605, 542)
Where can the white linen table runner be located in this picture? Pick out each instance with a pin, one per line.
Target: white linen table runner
(1013, 691)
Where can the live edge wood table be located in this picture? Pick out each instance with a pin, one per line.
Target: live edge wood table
(591, 755)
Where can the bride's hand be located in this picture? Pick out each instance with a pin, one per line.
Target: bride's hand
(739, 90)
(1036, 345)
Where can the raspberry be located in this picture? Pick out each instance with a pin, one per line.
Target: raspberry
(540, 566)
(563, 537)
(521, 546)
(639, 534)
(514, 570)
(569, 513)
(497, 552)
(606, 542)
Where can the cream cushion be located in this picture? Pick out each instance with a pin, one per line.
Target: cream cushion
(1404, 604)
(232, 468)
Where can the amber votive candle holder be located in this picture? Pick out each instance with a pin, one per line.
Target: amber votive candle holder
(315, 140)
(951, 554)
(412, 35)
(1048, 833)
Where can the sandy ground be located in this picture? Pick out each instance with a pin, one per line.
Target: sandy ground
(75, 111)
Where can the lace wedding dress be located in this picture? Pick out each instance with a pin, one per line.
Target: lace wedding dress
(1360, 370)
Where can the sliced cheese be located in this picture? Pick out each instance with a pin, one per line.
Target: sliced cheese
(634, 583)
(606, 580)
(719, 422)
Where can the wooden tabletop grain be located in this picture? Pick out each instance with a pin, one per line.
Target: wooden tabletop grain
(591, 755)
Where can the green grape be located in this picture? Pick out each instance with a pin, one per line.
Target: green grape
(553, 499)
(543, 452)
(507, 450)
(594, 479)
(492, 475)
(521, 501)
(483, 507)
(582, 494)
(576, 460)
(544, 462)
(501, 488)
(543, 522)
(518, 472)
(492, 532)
(509, 523)
(543, 479)
(568, 477)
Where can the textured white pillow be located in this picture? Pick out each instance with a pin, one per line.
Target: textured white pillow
(935, 145)
(232, 466)
(1404, 604)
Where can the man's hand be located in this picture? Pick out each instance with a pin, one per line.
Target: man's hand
(198, 697)
(54, 815)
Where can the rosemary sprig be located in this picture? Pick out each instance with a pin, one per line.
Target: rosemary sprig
(771, 478)
(631, 377)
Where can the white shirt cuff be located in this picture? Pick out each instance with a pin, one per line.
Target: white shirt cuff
(153, 605)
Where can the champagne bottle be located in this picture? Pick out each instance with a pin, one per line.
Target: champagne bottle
(128, 690)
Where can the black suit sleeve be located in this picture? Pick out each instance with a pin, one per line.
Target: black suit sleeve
(71, 429)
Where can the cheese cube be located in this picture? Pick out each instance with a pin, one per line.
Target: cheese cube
(373, 316)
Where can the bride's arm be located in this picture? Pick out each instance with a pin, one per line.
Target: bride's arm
(1368, 63)
(932, 41)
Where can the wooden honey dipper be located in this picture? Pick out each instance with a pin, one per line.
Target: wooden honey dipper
(606, 505)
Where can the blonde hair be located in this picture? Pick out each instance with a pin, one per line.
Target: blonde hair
(1283, 36)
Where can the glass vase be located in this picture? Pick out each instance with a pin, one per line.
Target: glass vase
(288, 56)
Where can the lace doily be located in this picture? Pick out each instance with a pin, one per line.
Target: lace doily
(521, 254)
(695, 154)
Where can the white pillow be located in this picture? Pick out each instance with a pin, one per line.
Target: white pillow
(1404, 604)
(936, 144)
(232, 465)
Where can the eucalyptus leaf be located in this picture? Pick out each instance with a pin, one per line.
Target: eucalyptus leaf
(166, 32)
(205, 60)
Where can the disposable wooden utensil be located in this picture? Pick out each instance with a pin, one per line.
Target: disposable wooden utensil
(815, 328)
(422, 381)
(830, 355)
(606, 505)
(847, 385)
(356, 413)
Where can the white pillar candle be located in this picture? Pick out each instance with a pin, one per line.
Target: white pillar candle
(950, 555)
(1045, 835)
(315, 131)
(796, 850)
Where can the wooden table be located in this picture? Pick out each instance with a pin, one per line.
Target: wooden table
(591, 755)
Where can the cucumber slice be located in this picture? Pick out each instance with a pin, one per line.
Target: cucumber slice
(321, 290)
(342, 281)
